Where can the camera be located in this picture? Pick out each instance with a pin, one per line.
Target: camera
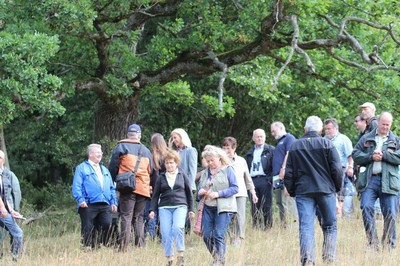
(278, 184)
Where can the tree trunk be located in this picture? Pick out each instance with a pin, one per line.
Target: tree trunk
(112, 118)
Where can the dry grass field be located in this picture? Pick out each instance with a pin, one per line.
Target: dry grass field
(56, 242)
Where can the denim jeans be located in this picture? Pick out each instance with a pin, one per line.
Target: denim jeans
(388, 208)
(151, 225)
(307, 206)
(131, 208)
(214, 228)
(15, 232)
(172, 225)
(348, 206)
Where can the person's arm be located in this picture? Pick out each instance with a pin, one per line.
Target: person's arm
(290, 175)
(114, 163)
(335, 167)
(3, 210)
(359, 155)
(77, 187)
(192, 166)
(189, 196)
(233, 186)
(282, 170)
(392, 154)
(15, 191)
(155, 197)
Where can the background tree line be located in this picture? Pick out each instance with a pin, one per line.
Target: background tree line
(77, 72)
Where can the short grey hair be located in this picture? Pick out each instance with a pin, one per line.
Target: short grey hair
(313, 123)
(278, 124)
(91, 147)
(134, 135)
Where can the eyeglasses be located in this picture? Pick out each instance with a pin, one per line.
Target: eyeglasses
(358, 120)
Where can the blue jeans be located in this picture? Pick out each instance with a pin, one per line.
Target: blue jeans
(388, 208)
(172, 225)
(307, 206)
(214, 227)
(150, 224)
(15, 232)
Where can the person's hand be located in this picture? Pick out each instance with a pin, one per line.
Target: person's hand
(191, 215)
(16, 215)
(350, 171)
(377, 156)
(285, 192)
(3, 212)
(254, 197)
(202, 192)
(213, 195)
(151, 215)
(83, 205)
(114, 208)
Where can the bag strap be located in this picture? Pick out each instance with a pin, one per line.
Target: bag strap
(139, 157)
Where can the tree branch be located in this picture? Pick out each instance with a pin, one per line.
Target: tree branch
(224, 69)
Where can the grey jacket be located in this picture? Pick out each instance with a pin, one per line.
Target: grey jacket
(13, 192)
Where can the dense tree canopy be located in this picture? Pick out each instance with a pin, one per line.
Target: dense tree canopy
(215, 68)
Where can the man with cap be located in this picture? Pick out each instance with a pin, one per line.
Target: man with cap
(132, 204)
(368, 114)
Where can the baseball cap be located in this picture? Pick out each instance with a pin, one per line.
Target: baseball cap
(367, 104)
(134, 128)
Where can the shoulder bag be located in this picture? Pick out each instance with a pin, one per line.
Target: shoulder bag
(126, 182)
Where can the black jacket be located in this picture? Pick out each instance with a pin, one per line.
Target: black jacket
(266, 159)
(163, 195)
(313, 166)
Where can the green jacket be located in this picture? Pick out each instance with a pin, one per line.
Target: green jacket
(225, 186)
(362, 156)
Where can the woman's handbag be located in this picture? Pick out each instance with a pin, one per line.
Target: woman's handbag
(197, 226)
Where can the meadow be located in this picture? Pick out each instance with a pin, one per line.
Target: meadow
(54, 240)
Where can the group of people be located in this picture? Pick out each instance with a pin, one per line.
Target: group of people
(318, 170)
(318, 173)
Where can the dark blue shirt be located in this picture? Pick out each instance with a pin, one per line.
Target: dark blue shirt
(282, 147)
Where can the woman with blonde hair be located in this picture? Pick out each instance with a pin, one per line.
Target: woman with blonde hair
(181, 142)
(218, 185)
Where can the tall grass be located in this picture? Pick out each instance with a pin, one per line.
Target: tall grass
(54, 240)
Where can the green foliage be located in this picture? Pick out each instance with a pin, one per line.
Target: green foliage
(55, 196)
(48, 47)
(25, 83)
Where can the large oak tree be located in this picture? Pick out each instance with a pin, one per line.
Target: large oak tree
(301, 57)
